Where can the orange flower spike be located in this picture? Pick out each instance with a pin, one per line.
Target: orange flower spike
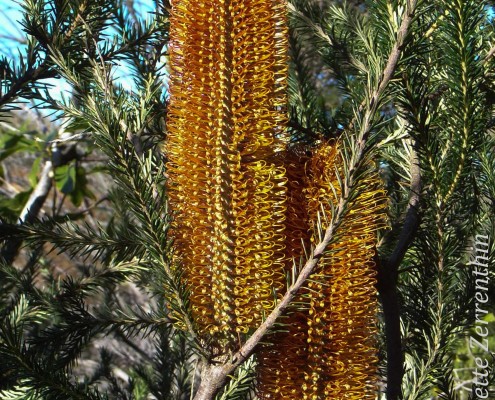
(343, 306)
(225, 127)
(282, 362)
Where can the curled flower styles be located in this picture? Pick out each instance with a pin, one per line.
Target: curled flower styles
(225, 127)
(343, 303)
(339, 358)
(282, 360)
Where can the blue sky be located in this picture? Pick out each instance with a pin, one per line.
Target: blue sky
(10, 15)
(9, 27)
(11, 36)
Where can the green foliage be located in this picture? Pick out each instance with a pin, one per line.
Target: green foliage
(96, 282)
(241, 385)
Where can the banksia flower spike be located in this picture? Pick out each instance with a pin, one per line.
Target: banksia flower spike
(225, 129)
(336, 354)
(343, 305)
(282, 361)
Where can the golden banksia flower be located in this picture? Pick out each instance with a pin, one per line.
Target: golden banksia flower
(241, 213)
(282, 361)
(225, 128)
(335, 356)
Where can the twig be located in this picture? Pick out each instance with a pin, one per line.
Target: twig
(132, 12)
(489, 55)
(133, 346)
(38, 196)
(11, 128)
(13, 38)
(73, 138)
(215, 376)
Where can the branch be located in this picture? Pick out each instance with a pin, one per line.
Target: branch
(30, 211)
(31, 75)
(214, 377)
(411, 222)
(38, 196)
(73, 138)
(387, 283)
(319, 250)
(36, 200)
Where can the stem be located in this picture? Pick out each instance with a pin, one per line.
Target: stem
(395, 356)
(213, 378)
(387, 284)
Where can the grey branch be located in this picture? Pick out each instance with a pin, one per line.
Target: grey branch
(387, 282)
(35, 203)
(38, 196)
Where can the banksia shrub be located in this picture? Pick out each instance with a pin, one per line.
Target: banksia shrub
(261, 224)
(337, 358)
(225, 129)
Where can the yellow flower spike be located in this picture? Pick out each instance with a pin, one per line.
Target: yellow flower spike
(329, 343)
(342, 349)
(225, 128)
(283, 360)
